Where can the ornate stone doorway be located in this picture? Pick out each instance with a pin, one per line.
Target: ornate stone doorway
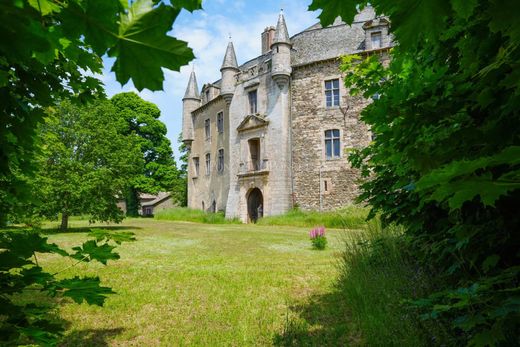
(255, 205)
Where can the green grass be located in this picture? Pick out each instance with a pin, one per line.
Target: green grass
(376, 276)
(192, 215)
(197, 284)
(352, 217)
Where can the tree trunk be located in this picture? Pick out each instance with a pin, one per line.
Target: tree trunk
(64, 221)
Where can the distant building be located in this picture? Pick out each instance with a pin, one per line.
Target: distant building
(150, 203)
(274, 132)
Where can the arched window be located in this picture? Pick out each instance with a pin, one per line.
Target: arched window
(214, 206)
(332, 144)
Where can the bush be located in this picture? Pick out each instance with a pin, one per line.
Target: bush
(352, 217)
(191, 215)
(318, 239)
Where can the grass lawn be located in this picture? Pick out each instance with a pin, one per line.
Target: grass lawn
(185, 283)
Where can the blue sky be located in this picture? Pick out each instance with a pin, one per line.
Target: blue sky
(207, 33)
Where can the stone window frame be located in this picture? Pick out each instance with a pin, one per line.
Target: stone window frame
(249, 105)
(326, 186)
(196, 166)
(341, 143)
(207, 160)
(220, 160)
(207, 129)
(341, 91)
(220, 125)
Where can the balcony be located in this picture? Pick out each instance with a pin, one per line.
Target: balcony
(253, 168)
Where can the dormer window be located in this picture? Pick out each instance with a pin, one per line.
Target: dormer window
(207, 95)
(253, 102)
(375, 39)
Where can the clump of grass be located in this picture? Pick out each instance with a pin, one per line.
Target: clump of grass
(192, 215)
(352, 217)
(377, 276)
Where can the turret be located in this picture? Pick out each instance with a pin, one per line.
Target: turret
(229, 69)
(190, 102)
(281, 48)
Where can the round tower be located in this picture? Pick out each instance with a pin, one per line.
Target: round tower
(229, 69)
(190, 102)
(281, 50)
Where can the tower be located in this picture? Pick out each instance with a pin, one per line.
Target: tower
(229, 69)
(281, 48)
(190, 102)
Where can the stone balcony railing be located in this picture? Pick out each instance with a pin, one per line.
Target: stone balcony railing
(253, 168)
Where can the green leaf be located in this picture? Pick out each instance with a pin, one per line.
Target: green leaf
(490, 262)
(464, 8)
(45, 7)
(334, 8)
(190, 5)
(142, 38)
(85, 289)
(90, 250)
(120, 237)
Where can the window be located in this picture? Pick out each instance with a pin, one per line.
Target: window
(332, 144)
(332, 92)
(208, 164)
(220, 162)
(214, 206)
(220, 122)
(207, 95)
(254, 154)
(207, 130)
(196, 164)
(252, 102)
(375, 39)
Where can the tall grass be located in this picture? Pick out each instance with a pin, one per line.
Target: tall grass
(192, 215)
(377, 276)
(352, 217)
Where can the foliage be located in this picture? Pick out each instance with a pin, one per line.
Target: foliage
(444, 162)
(183, 190)
(49, 52)
(351, 217)
(27, 313)
(159, 173)
(318, 238)
(85, 162)
(193, 215)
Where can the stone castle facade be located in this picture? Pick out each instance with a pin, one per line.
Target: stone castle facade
(274, 132)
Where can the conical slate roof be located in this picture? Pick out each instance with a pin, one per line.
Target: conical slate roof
(192, 91)
(230, 59)
(281, 35)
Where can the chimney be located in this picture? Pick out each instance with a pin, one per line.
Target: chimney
(267, 39)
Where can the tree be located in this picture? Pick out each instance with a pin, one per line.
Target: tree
(49, 51)
(86, 162)
(445, 160)
(159, 172)
(183, 181)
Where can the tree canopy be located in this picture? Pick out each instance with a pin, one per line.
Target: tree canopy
(86, 162)
(50, 50)
(445, 159)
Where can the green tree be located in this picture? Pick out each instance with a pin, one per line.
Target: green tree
(445, 162)
(183, 181)
(86, 162)
(160, 170)
(49, 50)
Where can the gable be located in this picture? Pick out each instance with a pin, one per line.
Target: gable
(252, 121)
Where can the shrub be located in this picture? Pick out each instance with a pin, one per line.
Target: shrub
(192, 215)
(318, 239)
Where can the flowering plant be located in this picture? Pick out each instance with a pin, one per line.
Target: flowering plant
(318, 239)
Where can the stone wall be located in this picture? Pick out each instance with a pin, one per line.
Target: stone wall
(310, 118)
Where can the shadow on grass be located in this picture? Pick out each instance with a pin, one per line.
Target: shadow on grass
(90, 337)
(322, 321)
(87, 229)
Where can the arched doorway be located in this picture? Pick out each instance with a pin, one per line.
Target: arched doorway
(255, 205)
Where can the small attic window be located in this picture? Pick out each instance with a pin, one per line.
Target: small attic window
(207, 95)
(375, 39)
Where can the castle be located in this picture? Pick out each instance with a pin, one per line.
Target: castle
(274, 132)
